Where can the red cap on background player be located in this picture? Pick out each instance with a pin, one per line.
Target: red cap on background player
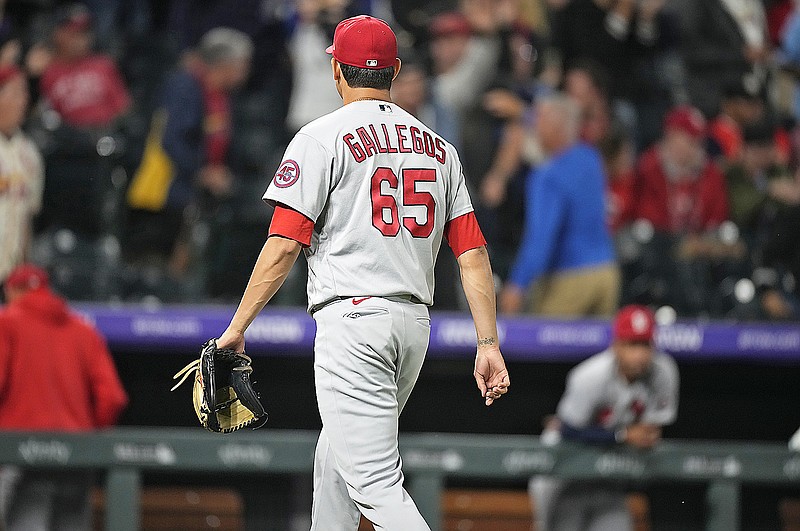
(27, 277)
(634, 323)
(365, 42)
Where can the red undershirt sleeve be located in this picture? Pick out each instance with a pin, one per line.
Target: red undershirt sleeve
(291, 224)
(463, 233)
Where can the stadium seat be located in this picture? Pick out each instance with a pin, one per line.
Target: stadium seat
(181, 508)
(507, 510)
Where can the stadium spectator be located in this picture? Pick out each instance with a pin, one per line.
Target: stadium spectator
(740, 107)
(624, 395)
(680, 192)
(82, 99)
(57, 375)
(511, 101)
(587, 83)
(619, 160)
(312, 94)
(765, 203)
(464, 53)
(759, 186)
(620, 35)
(566, 248)
(21, 172)
(84, 88)
(185, 155)
(506, 118)
(678, 188)
(724, 43)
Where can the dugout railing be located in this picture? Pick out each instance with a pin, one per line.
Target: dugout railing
(428, 460)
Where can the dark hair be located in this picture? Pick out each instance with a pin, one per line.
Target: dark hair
(596, 72)
(367, 78)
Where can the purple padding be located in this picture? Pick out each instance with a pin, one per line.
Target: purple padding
(291, 331)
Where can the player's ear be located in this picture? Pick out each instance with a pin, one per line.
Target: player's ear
(337, 71)
(397, 65)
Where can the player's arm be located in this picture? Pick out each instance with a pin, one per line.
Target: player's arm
(576, 409)
(464, 237)
(289, 232)
(490, 371)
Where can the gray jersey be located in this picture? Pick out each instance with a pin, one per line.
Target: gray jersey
(379, 186)
(598, 396)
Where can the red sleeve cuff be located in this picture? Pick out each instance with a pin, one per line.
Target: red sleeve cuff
(463, 234)
(291, 224)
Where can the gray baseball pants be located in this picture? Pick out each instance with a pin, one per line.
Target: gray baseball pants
(367, 356)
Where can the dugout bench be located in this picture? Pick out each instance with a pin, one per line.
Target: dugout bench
(428, 459)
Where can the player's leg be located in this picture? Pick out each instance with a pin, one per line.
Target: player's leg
(610, 511)
(417, 324)
(544, 492)
(356, 372)
(71, 504)
(31, 505)
(570, 511)
(331, 508)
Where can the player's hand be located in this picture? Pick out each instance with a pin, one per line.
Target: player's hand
(231, 339)
(490, 373)
(642, 436)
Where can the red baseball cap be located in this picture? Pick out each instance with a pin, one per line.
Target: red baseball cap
(28, 277)
(687, 119)
(634, 323)
(365, 42)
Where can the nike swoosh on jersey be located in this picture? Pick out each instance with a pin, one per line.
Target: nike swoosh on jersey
(359, 301)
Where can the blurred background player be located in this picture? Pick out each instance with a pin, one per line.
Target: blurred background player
(56, 374)
(623, 395)
(21, 171)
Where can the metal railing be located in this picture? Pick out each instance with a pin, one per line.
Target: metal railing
(428, 459)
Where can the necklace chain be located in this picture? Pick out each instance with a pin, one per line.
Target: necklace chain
(373, 99)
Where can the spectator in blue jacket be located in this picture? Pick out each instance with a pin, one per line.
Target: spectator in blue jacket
(567, 251)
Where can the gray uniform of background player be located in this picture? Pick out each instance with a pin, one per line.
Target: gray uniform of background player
(597, 396)
(368, 351)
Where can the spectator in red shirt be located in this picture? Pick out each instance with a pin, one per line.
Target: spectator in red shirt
(56, 374)
(678, 188)
(86, 89)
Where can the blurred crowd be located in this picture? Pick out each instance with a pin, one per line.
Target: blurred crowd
(617, 151)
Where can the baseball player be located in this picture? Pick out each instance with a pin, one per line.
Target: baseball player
(623, 395)
(368, 192)
(21, 171)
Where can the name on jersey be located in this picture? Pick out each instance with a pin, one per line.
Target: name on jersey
(365, 142)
